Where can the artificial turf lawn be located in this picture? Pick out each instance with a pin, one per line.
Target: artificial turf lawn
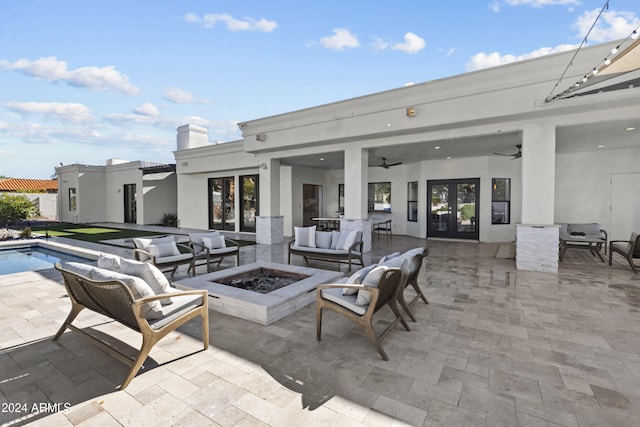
(88, 233)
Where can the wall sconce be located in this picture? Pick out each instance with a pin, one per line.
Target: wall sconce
(411, 112)
(261, 137)
(263, 166)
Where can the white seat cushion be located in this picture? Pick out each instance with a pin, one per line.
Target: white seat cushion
(346, 301)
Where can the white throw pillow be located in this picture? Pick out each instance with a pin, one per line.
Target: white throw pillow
(214, 242)
(388, 257)
(347, 238)
(139, 288)
(356, 278)
(335, 238)
(372, 280)
(150, 274)
(109, 262)
(164, 249)
(305, 236)
(323, 239)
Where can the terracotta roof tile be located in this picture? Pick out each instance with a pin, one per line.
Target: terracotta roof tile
(18, 184)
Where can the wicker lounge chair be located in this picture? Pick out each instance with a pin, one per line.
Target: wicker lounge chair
(114, 299)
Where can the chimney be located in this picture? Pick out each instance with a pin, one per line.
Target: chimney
(191, 136)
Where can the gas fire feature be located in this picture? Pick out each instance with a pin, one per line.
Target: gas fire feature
(263, 308)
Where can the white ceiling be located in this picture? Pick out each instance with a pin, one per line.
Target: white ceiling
(570, 139)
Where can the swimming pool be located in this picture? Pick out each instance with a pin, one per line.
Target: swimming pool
(33, 258)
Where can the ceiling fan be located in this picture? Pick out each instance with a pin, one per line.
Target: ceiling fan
(514, 155)
(386, 165)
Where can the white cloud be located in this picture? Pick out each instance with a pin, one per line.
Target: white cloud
(209, 20)
(412, 44)
(147, 109)
(486, 60)
(181, 96)
(612, 25)
(67, 112)
(495, 6)
(52, 69)
(341, 38)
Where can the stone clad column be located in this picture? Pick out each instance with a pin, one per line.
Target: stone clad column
(356, 180)
(269, 224)
(537, 237)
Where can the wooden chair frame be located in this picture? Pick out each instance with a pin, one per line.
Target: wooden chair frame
(386, 293)
(632, 253)
(114, 300)
(412, 280)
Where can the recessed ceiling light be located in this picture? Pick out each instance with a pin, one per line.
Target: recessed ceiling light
(437, 147)
(630, 128)
(600, 146)
(322, 159)
(448, 157)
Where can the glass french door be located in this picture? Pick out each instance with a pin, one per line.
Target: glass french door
(453, 209)
(249, 202)
(311, 203)
(222, 205)
(130, 209)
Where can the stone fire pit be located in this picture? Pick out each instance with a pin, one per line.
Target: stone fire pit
(263, 308)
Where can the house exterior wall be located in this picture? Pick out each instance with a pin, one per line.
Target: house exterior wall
(89, 182)
(160, 194)
(116, 177)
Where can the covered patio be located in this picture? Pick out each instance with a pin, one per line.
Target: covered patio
(495, 346)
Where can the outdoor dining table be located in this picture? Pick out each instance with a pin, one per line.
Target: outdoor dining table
(593, 244)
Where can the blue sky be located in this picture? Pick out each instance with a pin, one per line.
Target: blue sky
(86, 80)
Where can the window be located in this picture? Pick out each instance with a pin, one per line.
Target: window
(412, 201)
(501, 201)
(72, 199)
(379, 197)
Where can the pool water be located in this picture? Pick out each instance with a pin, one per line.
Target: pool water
(33, 259)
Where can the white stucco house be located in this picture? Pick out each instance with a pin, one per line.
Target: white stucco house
(120, 191)
(425, 157)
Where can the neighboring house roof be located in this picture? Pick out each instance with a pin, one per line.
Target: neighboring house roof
(18, 185)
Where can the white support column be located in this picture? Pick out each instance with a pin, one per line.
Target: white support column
(537, 237)
(356, 179)
(270, 224)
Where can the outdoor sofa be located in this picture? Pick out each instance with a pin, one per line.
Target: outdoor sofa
(338, 246)
(135, 295)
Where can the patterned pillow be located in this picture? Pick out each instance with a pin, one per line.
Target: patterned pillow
(305, 236)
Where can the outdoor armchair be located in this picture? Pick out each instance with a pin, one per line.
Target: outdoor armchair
(164, 252)
(629, 249)
(383, 293)
(212, 247)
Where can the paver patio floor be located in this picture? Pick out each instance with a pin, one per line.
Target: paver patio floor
(495, 347)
